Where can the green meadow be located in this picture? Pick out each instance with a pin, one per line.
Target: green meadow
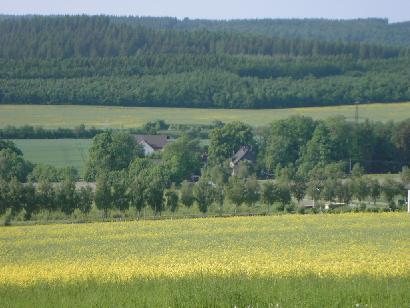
(124, 117)
(56, 152)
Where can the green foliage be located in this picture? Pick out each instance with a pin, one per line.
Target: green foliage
(225, 141)
(109, 61)
(252, 190)
(344, 191)
(85, 197)
(219, 174)
(7, 144)
(329, 189)
(30, 201)
(285, 140)
(401, 139)
(298, 188)
(361, 188)
(374, 190)
(152, 127)
(103, 197)
(136, 194)
(154, 193)
(320, 150)
(15, 196)
(236, 191)
(38, 132)
(46, 195)
(284, 196)
(182, 158)
(370, 30)
(118, 181)
(187, 195)
(66, 196)
(204, 194)
(4, 193)
(390, 190)
(171, 199)
(111, 151)
(405, 175)
(358, 170)
(97, 36)
(13, 165)
(269, 193)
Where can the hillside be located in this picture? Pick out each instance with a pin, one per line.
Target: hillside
(371, 30)
(143, 62)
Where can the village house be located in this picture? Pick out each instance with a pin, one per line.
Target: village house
(152, 143)
(243, 154)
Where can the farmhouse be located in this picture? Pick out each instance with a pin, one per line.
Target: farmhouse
(152, 143)
(244, 154)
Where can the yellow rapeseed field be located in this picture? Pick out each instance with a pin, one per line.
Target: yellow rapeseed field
(280, 246)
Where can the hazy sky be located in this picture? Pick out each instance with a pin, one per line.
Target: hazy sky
(395, 10)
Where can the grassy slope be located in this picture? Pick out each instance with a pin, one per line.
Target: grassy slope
(59, 152)
(330, 260)
(118, 117)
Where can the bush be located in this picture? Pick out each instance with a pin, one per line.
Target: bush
(290, 208)
(362, 207)
(372, 210)
(301, 210)
(280, 207)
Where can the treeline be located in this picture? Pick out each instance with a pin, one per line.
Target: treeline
(161, 64)
(324, 160)
(38, 132)
(217, 89)
(84, 36)
(371, 30)
(302, 145)
(141, 183)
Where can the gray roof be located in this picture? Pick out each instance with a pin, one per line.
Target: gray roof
(243, 153)
(157, 142)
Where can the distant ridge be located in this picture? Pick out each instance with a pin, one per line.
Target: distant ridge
(166, 62)
(370, 30)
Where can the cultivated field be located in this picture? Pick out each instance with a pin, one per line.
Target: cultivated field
(123, 117)
(349, 260)
(56, 152)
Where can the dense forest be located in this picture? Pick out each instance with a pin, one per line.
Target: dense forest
(372, 30)
(152, 62)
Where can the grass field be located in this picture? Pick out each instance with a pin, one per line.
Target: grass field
(348, 260)
(123, 117)
(56, 152)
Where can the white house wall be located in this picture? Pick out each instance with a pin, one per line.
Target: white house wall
(148, 150)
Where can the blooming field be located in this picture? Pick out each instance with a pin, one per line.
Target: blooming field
(329, 247)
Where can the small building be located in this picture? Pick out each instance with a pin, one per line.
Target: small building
(152, 143)
(243, 154)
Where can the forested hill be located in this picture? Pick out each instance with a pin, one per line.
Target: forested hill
(372, 30)
(82, 36)
(105, 60)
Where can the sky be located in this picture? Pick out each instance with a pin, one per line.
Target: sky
(394, 10)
